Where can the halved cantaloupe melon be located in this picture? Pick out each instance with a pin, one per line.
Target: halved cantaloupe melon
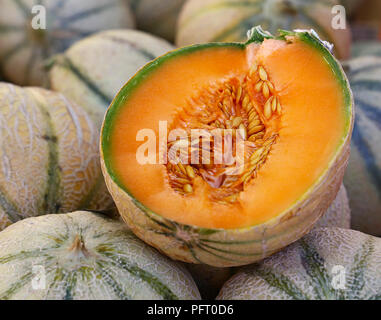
(284, 108)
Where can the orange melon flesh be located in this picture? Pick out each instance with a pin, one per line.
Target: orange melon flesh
(310, 129)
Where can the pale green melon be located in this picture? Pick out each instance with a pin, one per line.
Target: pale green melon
(328, 263)
(363, 176)
(84, 255)
(93, 70)
(24, 50)
(203, 21)
(157, 16)
(49, 158)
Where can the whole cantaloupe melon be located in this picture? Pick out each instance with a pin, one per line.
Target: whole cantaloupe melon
(328, 263)
(203, 21)
(26, 44)
(93, 70)
(49, 156)
(85, 256)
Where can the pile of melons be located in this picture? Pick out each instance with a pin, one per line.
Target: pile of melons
(90, 208)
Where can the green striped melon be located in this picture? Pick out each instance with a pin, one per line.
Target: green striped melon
(211, 279)
(363, 176)
(157, 16)
(328, 263)
(24, 50)
(93, 70)
(85, 256)
(49, 156)
(366, 48)
(227, 21)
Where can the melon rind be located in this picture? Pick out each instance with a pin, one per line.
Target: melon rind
(230, 247)
(38, 261)
(203, 21)
(327, 264)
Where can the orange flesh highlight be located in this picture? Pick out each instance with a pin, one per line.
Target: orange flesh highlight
(310, 130)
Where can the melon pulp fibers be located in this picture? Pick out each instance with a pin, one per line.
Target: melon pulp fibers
(296, 132)
(49, 156)
(85, 256)
(26, 44)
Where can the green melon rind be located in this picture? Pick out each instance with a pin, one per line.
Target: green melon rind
(309, 270)
(223, 247)
(111, 264)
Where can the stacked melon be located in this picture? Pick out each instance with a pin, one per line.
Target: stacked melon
(93, 70)
(50, 160)
(84, 255)
(30, 33)
(207, 216)
(227, 21)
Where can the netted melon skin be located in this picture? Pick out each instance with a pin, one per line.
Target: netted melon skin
(211, 279)
(327, 264)
(203, 21)
(85, 256)
(25, 50)
(362, 179)
(92, 71)
(49, 156)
